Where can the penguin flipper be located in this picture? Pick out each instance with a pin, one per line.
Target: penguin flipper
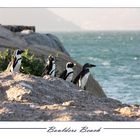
(75, 81)
(14, 62)
(63, 74)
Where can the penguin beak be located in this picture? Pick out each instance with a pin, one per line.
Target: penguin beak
(92, 65)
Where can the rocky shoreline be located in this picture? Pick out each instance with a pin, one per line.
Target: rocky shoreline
(31, 98)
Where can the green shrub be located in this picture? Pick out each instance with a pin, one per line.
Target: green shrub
(5, 58)
(30, 64)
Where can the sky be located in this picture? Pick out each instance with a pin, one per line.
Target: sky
(73, 19)
(102, 18)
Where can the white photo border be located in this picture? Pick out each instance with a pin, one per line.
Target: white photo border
(38, 130)
(70, 3)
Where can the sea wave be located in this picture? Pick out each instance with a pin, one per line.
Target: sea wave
(136, 76)
(106, 63)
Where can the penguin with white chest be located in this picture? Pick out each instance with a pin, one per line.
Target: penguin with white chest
(15, 64)
(50, 68)
(82, 78)
(67, 74)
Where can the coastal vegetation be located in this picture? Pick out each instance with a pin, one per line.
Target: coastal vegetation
(30, 63)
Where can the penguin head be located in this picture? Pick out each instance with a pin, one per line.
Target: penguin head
(70, 65)
(51, 58)
(18, 52)
(87, 66)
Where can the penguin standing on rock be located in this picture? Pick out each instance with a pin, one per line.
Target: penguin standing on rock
(15, 64)
(82, 77)
(67, 74)
(50, 68)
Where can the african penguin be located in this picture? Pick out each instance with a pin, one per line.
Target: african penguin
(67, 74)
(15, 64)
(82, 78)
(50, 68)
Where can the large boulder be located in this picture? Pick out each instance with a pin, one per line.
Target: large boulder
(43, 45)
(44, 40)
(31, 98)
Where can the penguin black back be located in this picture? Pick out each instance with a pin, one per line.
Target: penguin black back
(63, 75)
(50, 66)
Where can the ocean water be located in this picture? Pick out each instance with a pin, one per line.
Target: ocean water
(117, 56)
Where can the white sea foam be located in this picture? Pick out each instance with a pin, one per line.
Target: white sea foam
(106, 63)
(135, 58)
(99, 37)
(105, 50)
(123, 69)
(136, 76)
(131, 38)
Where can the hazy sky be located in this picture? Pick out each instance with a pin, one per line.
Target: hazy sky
(57, 19)
(102, 18)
